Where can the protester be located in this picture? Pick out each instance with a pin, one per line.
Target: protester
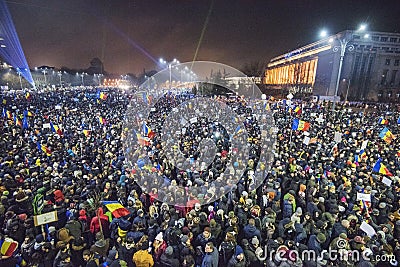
(64, 151)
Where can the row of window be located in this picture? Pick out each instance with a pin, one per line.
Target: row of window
(385, 76)
(385, 39)
(376, 38)
(396, 62)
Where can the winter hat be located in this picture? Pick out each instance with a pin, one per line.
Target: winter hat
(159, 237)
(100, 243)
(343, 236)
(346, 223)
(52, 229)
(169, 251)
(184, 238)
(63, 235)
(299, 212)
(238, 250)
(213, 223)
(321, 238)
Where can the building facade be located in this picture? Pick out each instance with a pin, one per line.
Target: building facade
(350, 64)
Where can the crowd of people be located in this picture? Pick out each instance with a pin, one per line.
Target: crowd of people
(332, 186)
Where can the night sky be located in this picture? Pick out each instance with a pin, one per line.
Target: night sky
(121, 32)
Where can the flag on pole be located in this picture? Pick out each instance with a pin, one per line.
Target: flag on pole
(55, 129)
(116, 208)
(9, 115)
(44, 149)
(102, 120)
(300, 125)
(387, 135)
(380, 168)
(103, 96)
(297, 110)
(147, 131)
(383, 121)
(362, 153)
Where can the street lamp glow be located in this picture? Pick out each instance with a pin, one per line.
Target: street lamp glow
(330, 40)
(363, 27)
(323, 33)
(366, 36)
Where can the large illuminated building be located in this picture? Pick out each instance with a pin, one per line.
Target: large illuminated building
(369, 69)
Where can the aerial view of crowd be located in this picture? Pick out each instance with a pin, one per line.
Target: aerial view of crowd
(72, 192)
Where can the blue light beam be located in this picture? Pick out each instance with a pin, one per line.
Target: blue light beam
(11, 50)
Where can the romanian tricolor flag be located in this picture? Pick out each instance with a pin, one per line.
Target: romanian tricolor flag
(146, 98)
(7, 247)
(17, 121)
(27, 95)
(30, 114)
(44, 149)
(398, 153)
(147, 131)
(9, 115)
(102, 120)
(86, 132)
(297, 110)
(300, 125)
(356, 159)
(380, 168)
(398, 120)
(116, 208)
(143, 141)
(238, 129)
(383, 121)
(387, 135)
(363, 154)
(103, 96)
(55, 129)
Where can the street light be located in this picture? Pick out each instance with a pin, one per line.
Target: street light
(44, 74)
(344, 43)
(82, 75)
(59, 73)
(169, 64)
(19, 74)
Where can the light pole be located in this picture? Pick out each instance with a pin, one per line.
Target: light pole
(82, 75)
(44, 74)
(19, 75)
(170, 64)
(344, 43)
(347, 91)
(59, 73)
